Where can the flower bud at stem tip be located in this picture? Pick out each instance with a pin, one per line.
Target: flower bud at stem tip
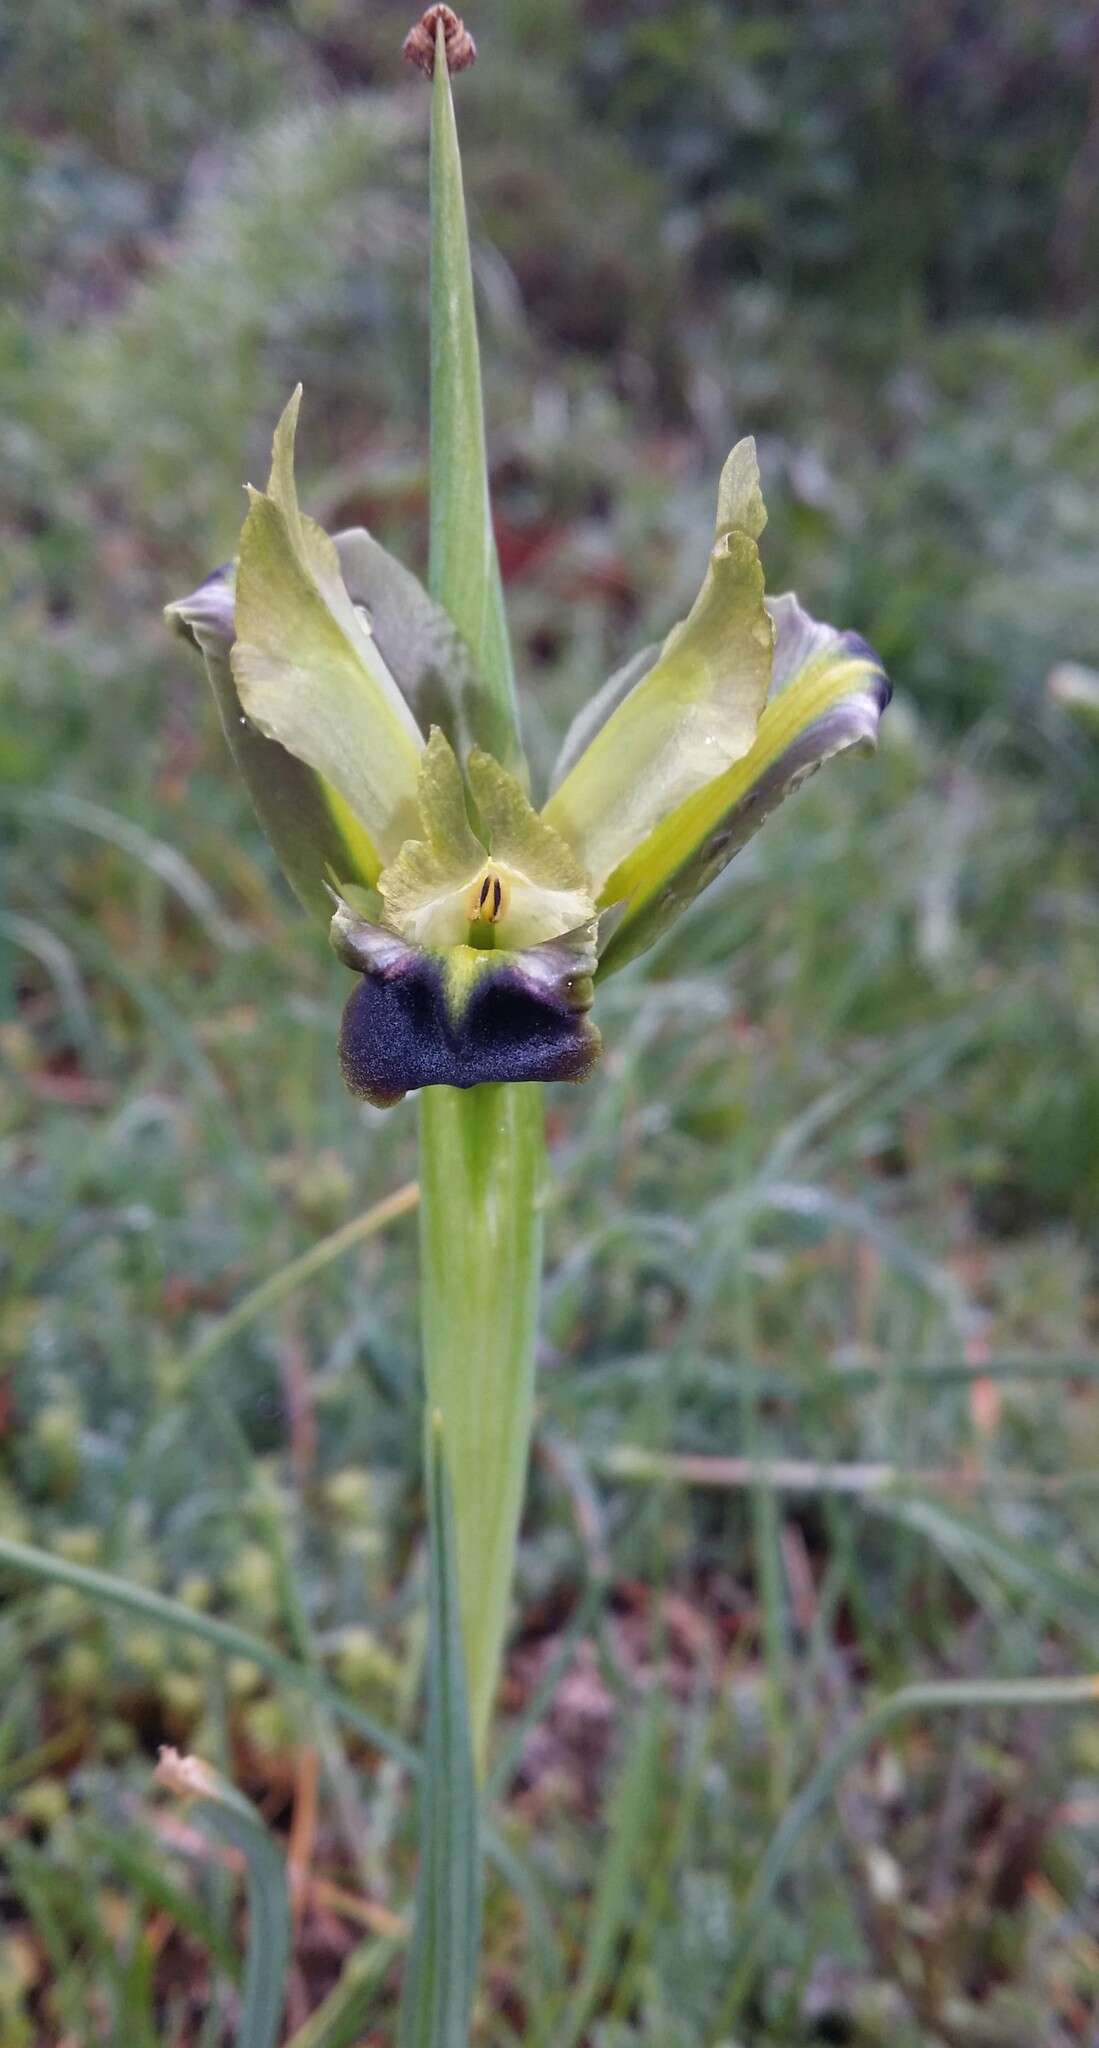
(440, 24)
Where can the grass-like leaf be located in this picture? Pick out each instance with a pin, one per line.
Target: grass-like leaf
(339, 2021)
(223, 1813)
(437, 2004)
(464, 569)
(631, 1815)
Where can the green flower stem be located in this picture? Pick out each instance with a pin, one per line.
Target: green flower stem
(482, 1154)
(482, 1151)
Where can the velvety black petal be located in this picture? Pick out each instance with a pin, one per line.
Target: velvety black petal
(461, 1018)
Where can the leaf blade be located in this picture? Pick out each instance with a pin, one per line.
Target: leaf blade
(228, 1818)
(633, 1805)
(464, 567)
(437, 2000)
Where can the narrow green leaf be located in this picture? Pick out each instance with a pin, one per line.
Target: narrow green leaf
(947, 1696)
(139, 1864)
(464, 569)
(155, 1608)
(632, 1812)
(437, 2003)
(340, 2021)
(107, 1590)
(228, 1818)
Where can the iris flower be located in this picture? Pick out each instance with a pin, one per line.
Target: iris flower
(376, 726)
(478, 925)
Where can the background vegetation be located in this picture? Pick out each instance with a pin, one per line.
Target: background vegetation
(834, 1196)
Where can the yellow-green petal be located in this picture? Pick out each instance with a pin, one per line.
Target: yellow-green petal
(307, 669)
(430, 887)
(425, 889)
(550, 892)
(696, 709)
(829, 694)
(314, 834)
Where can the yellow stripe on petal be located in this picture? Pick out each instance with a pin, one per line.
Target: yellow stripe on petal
(696, 709)
(359, 849)
(832, 692)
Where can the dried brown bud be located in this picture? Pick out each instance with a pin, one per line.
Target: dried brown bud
(186, 1775)
(458, 44)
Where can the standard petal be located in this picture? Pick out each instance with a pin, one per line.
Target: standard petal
(307, 669)
(420, 645)
(829, 694)
(313, 832)
(696, 709)
(461, 1018)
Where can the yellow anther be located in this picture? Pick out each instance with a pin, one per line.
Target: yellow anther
(487, 900)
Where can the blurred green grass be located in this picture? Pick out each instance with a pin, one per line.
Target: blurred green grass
(834, 1195)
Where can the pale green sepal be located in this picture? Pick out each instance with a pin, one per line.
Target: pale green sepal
(312, 831)
(441, 1973)
(696, 710)
(418, 641)
(464, 567)
(829, 694)
(307, 669)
